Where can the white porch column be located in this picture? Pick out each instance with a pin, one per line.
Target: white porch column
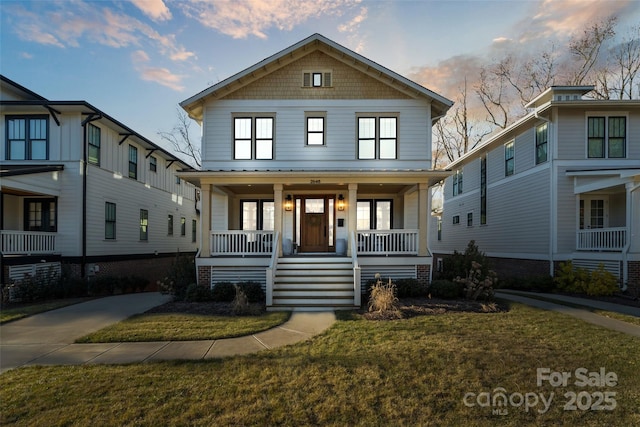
(278, 217)
(423, 212)
(352, 217)
(205, 221)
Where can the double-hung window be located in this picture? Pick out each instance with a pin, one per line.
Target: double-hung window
(109, 221)
(607, 137)
(153, 164)
(542, 143)
(315, 128)
(377, 137)
(374, 215)
(144, 224)
(27, 138)
(257, 214)
(509, 158)
(93, 137)
(457, 182)
(253, 137)
(133, 162)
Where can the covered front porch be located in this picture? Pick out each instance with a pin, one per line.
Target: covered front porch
(608, 218)
(313, 233)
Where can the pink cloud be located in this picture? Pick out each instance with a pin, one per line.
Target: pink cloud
(160, 75)
(154, 9)
(243, 18)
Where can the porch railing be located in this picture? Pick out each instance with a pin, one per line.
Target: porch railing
(16, 242)
(242, 242)
(601, 239)
(387, 242)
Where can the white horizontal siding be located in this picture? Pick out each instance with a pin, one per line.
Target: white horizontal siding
(341, 146)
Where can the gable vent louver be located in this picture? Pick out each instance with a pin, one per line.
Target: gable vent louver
(316, 79)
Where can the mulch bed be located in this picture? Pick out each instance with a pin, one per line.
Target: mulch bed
(204, 308)
(412, 307)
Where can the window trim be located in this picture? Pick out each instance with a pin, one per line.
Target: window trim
(469, 219)
(194, 230)
(607, 116)
(510, 160)
(28, 142)
(93, 130)
(457, 181)
(110, 222)
(253, 139)
(153, 164)
(133, 164)
(259, 212)
(144, 225)
(315, 115)
(169, 224)
(325, 75)
(542, 144)
(373, 209)
(483, 190)
(377, 138)
(48, 201)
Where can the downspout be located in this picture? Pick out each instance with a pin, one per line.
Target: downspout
(552, 192)
(85, 168)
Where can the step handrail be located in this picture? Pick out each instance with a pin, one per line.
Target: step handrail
(271, 270)
(357, 297)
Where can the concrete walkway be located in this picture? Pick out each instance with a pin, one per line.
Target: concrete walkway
(528, 298)
(48, 338)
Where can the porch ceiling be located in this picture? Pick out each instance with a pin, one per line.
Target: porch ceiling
(329, 188)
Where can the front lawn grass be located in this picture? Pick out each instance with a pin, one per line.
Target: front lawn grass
(14, 311)
(184, 327)
(409, 372)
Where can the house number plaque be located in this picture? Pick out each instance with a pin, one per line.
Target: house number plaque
(315, 181)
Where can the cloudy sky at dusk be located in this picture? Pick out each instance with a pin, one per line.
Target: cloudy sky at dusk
(136, 60)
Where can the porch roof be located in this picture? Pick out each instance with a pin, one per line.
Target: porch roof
(13, 170)
(599, 179)
(316, 177)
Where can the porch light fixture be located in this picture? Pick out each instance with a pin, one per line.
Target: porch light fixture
(288, 203)
(340, 202)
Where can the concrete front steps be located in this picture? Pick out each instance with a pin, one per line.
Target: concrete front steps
(313, 283)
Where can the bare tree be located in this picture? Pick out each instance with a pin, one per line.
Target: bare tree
(181, 140)
(586, 48)
(625, 66)
(492, 93)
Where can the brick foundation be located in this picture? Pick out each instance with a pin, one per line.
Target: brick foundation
(423, 272)
(204, 275)
(633, 284)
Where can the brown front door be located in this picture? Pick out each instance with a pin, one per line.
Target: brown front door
(314, 230)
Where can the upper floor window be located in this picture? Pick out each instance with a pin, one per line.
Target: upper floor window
(542, 142)
(109, 221)
(93, 137)
(27, 138)
(153, 164)
(318, 78)
(457, 182)
(315, 128)
(253, 138)
(144, 224)
(607, 137)
(377, 137)
(133, 162)
(509, 158)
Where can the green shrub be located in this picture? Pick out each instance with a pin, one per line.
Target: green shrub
(253, 291)
(180, 275)
(578, 280)
(542, 283)
(476, 284)
(459, 264)
(240, 302)
(103, 285)
(445, 289)
(411, 288)
(223, 292)
(197, 293)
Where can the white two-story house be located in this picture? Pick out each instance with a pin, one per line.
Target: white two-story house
(79, 187)
(562, 183)
(316, 175)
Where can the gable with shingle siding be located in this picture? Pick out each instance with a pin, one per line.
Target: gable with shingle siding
(286, 83)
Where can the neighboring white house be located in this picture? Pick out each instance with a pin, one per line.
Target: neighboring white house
(316, 170)
(560, 184)
(79, 187)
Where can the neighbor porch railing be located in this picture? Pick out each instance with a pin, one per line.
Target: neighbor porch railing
(387, 242)
(16, 242)
(601, 239)
(242, 242)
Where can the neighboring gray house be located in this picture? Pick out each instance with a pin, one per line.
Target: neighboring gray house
(560, 184)
(316, 175)
(79, 187)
